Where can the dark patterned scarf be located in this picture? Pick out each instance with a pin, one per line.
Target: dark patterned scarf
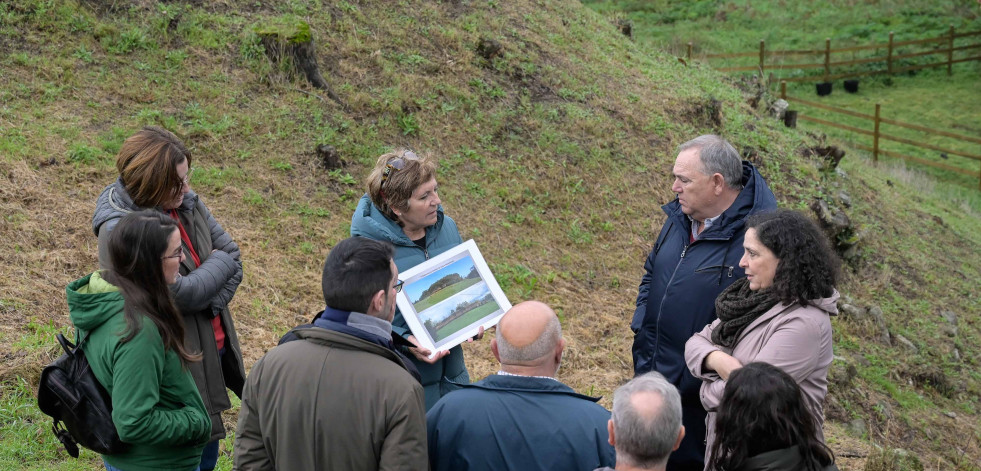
(737, 307)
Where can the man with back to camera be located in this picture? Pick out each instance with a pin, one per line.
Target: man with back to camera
(338, 397)
(521, 418)
(646, 423)
(695, 257)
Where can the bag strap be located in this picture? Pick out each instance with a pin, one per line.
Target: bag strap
(71, 446)
(66, 345)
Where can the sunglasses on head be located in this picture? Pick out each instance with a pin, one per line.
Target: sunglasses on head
(397, 163)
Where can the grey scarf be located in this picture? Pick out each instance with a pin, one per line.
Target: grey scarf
(737, 307)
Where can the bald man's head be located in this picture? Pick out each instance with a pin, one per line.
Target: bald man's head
(528, 334)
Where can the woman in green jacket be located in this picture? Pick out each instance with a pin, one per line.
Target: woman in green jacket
(134, 344)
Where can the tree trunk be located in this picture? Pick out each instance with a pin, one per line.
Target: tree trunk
(299, 52)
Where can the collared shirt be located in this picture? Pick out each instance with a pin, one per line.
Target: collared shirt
(705, 225)
(505, 373)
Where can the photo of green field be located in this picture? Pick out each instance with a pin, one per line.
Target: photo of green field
(470, 317)
(444, 293)
(455, 314)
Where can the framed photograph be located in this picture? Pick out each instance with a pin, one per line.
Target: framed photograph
(445, 300)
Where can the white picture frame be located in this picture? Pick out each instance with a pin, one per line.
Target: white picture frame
(466, 297)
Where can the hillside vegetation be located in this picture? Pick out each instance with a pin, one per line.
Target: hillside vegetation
(928, 97)
(725, 26)
(555, 154)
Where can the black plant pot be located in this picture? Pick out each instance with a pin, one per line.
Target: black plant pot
(790, 118)
(851, 86)
(823, 88)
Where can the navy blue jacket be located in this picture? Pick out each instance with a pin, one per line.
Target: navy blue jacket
(518, 422)
(676, 297)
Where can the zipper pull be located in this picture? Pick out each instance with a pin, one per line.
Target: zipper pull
(426, 253)
(730, 271)
(684, 250)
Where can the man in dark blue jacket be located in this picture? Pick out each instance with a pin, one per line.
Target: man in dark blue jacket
(522, 417)
(695, 257)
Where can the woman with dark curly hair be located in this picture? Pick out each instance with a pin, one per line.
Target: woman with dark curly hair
(764, 424)
(779, 314)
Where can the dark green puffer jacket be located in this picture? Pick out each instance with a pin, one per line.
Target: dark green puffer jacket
(156, 406)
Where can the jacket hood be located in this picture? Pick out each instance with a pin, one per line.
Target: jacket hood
(755, 197)
(92, 301)
(114, 202)
(368, 221)
(829, 304)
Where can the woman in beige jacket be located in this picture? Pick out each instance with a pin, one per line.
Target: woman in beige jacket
(779, 314)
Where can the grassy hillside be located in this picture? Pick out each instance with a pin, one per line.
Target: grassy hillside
(929, 99)
(926, 97)
(555, 156)
(717, 26)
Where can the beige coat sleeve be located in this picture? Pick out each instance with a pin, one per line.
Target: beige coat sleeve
(697, 348)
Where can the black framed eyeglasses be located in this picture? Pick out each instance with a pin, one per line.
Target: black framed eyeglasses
(396, 164)
(398, 286)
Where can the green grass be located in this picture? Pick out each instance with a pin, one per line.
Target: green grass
(26, 437)
(42, 334)
(444, 293)
(554, 156)
(717, 26)
(928, 98)
(470, 317)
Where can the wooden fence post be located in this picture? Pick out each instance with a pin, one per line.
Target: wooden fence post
(762, 52)
(688, 55)
(875, 136)
(889, 57)
(950, 52)
(827, 58)
(783, 89)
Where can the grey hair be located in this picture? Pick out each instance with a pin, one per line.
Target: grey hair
(646, 442)
(542, 346)
(717, 156)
